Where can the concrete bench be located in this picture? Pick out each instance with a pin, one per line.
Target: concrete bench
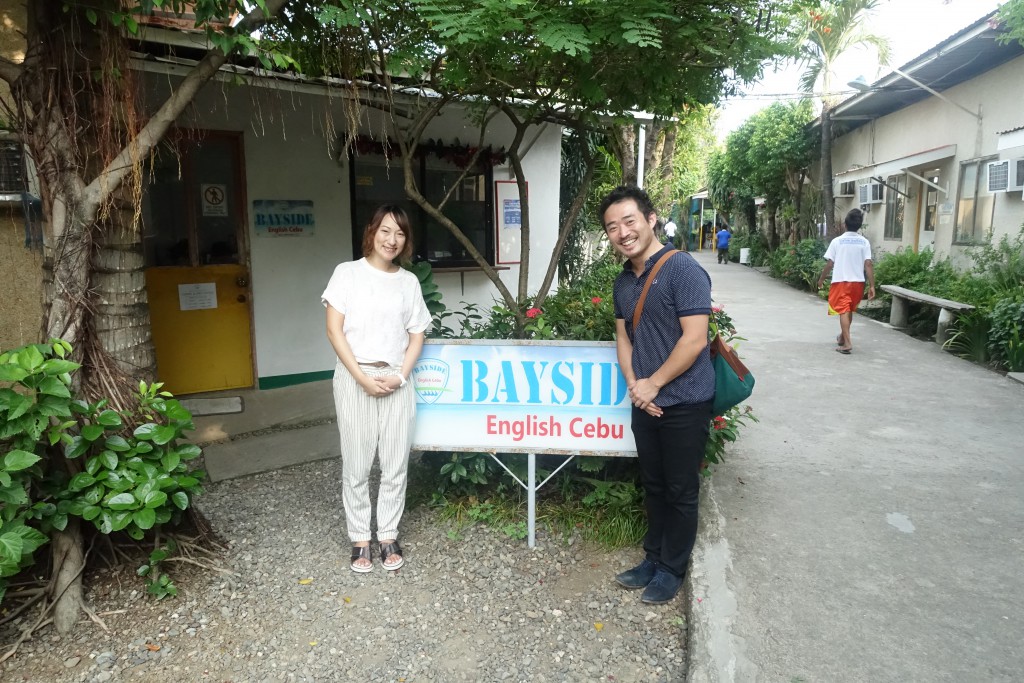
(947, 309)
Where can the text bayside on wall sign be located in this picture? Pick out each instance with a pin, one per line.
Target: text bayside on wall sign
(283, 217)
(521, 397)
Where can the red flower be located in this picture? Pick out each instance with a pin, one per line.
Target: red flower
(718, 309)
(720, 422)
(596, 300)
(533, 312)
(827, 29)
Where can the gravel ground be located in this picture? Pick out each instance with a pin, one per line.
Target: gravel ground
(472, 606)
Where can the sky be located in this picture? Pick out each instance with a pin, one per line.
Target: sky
(912, 26)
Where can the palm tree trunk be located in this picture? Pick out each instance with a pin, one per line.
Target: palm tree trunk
(827, 200)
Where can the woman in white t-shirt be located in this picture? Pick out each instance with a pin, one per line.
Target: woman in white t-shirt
(376, 319)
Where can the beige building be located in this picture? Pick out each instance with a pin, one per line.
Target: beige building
(934, 151)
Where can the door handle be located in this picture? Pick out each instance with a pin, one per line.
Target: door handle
(242, 281)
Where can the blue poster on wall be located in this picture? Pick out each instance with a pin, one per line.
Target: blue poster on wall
(283, 217)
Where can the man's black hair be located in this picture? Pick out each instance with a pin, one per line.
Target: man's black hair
(622, 193)
(854, 219)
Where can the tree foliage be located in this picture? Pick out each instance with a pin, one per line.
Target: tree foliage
(1012, 15)
(765, 157)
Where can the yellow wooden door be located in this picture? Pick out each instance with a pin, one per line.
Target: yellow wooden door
(200, 322)
(197, 279)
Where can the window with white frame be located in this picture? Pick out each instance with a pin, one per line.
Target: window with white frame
(895, 206)
(975, 204)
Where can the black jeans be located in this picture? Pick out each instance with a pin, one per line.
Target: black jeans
(723, 255)
(670, 449)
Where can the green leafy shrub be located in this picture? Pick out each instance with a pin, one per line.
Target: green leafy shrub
(119, 470)
(798, 265)
(756, 242)
(1006, 333)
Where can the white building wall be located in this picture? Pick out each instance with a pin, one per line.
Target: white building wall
(930, 124)
(289, 153)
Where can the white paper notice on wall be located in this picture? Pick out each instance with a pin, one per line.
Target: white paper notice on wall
(215, 200)
(198, 296)
(945, 219)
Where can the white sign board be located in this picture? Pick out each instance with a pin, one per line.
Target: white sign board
(214, 200)
(194, 297)
(522, 397)
(283, 217)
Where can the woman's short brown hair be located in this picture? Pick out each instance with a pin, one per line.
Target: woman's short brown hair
(401, 218)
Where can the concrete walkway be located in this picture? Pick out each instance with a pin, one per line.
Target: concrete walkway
(871, 527)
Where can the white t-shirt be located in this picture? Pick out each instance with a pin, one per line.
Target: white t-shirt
(670, 229)
(381, 310)
(848, 252)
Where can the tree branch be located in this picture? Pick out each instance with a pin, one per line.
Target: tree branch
(110, 177)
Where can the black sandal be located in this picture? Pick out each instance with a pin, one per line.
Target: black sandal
(361, 553)
(389, 550)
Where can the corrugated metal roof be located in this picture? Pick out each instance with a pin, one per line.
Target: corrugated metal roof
(1009, 130)
(964, 55)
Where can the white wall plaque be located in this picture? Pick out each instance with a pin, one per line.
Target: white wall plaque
(194, 297)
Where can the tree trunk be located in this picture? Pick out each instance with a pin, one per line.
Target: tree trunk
(773, 228)
(70, 110)
(653, 149)
(66, 585)
(827, 200)
(668, 152)
(625, 149)
(798, 201)
(121, 318)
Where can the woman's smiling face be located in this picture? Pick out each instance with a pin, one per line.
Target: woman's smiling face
(389, 240)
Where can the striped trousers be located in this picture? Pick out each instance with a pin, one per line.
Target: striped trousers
(371, 426)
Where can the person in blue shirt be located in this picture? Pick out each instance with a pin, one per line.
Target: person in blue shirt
(667, 366)
(723, 236)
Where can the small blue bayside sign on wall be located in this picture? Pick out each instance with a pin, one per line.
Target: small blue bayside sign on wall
(283, 217)
(534, 397)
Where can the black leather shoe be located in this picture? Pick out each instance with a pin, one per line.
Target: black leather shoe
(639, 576)
(662, 588)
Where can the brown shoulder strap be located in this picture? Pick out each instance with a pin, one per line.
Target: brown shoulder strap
(647, 286)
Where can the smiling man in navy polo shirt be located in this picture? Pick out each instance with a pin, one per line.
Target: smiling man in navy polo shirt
(667, 366)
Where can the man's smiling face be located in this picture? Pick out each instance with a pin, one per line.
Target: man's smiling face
(629, 231)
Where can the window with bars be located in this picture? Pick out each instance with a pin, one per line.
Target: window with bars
(12, 170)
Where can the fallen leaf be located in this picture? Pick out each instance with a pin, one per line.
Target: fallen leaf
(305, 582)
(598, 625)
(347, 599)
(152, 648)
(312, 643)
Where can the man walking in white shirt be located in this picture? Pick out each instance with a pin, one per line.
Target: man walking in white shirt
(848, 259)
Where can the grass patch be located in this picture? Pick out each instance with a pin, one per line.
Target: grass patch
(610, 526)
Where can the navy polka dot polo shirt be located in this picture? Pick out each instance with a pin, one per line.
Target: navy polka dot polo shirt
(681, 288)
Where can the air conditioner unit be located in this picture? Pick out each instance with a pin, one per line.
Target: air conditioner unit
(998, 175)
(870, 193)
(1016, 175)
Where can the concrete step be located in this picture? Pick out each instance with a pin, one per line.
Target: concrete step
(271, 451)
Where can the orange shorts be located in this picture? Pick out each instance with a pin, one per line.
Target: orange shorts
(844, 297)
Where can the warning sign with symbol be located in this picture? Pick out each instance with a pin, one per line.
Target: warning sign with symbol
(215, 200)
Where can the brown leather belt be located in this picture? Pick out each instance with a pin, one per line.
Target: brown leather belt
(376, 364)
